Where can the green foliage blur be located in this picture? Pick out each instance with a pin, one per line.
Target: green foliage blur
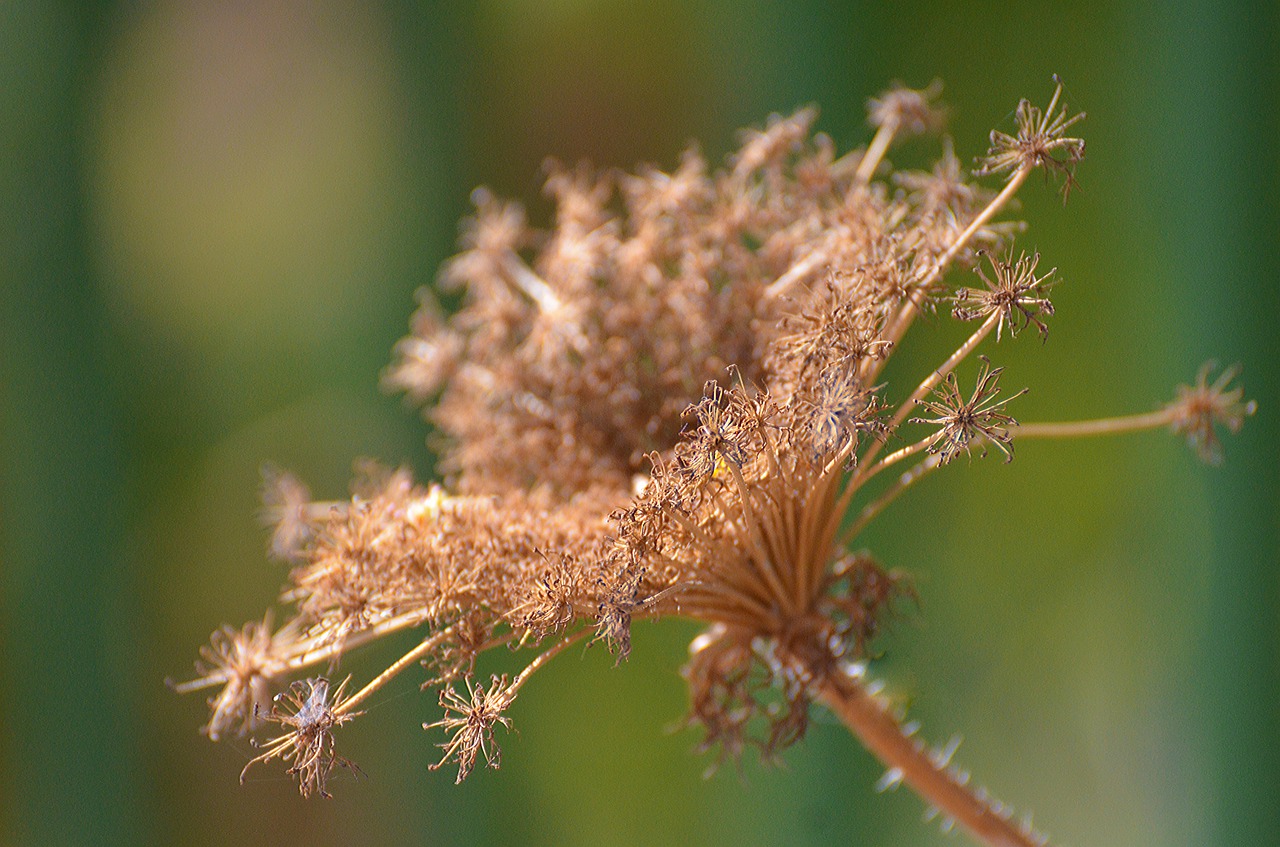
(213, 218)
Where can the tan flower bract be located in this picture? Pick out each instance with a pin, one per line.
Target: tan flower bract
(671, 404)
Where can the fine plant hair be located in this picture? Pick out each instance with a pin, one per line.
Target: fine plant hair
(671, 404)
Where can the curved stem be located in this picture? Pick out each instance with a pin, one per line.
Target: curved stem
(764, 561)
(543, 658)
(795, 273)
(899, 455)
(928, 773)
(876, 506)
(312, 651)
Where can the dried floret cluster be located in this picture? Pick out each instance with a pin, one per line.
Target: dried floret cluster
(669, 404)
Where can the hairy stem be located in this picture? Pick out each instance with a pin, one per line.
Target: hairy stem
(928, 774)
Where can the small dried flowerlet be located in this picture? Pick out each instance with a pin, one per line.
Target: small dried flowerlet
(1016, 294)
(899, 111)
(246, 662)
(1041, 141)
(472, 719)
(914, 111)
(975, 422)
(310, 716)
(1201, 407)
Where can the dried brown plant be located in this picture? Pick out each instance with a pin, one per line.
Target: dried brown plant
(670, 405)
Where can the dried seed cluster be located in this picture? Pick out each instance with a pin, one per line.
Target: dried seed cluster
(668, 404)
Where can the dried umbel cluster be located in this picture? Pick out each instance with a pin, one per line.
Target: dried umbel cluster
(670, 404)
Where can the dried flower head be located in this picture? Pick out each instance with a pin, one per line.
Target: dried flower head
(472, 719)
(310, 717)
(910, 110)
(965, 424)
(1041, 141)
(246, 662)
(1016, 294)
(1201, 407)
(673, 403)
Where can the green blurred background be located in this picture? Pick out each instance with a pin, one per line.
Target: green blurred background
(212, 221)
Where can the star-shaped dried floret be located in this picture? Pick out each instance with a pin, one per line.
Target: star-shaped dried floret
(1016, 293)
(1041, 141)
(908, 110)
(247, 661)
(966, 423)
(1198, 408)
(471, 719)
(310, 716)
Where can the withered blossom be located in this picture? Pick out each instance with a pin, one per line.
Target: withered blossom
(1041, 142)
(247, 661)
(309, 716)
(472, 719)
(1201, 408)
(965, 424)
(1016, 294)
(911, 110)
(672, 404)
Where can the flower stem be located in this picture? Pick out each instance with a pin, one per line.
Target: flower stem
(878, 505)
(929, 774)
(1101, 426)
(313, 651)
(428, 644)
(543, 658)
(875, 151)
(930, 382)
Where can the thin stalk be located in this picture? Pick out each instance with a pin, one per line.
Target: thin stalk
(875, 151)
(817, 514)
(810, 559)
(900, 454)
(795, 273)
(1102, 426)
(930, 382)
(764, 558)
(427, 645)
(718, 550)
(312, 651)
(876, 506)
(708, 602)
(928, 774)
(543, 658)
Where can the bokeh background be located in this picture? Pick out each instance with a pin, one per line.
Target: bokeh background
(213, 217)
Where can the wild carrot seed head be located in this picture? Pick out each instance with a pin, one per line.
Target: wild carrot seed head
(666, 404)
